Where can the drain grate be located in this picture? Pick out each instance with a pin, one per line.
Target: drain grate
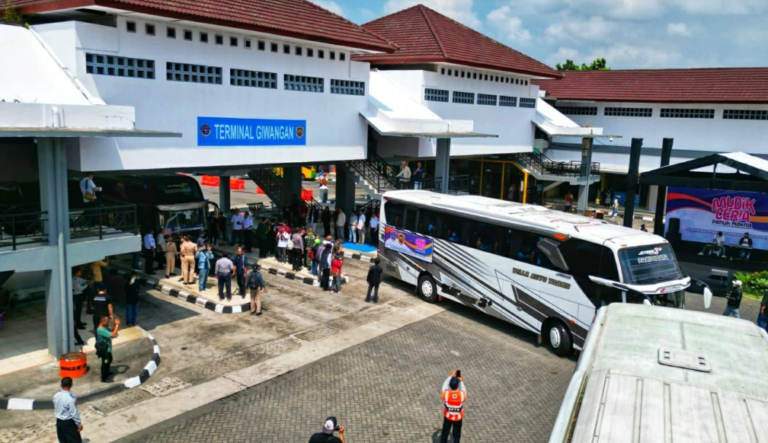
(404, 302)
(316, 334)
(165, 386)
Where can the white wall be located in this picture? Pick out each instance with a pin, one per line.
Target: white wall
(334, 128)
(512, 125)
(702, 136)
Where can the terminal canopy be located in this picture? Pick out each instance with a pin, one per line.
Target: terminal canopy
(739, 171)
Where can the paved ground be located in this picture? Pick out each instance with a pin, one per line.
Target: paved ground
(387, 390)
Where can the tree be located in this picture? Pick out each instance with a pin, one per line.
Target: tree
(11, 16)
(598, 64)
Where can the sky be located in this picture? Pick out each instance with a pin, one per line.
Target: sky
(630, 34)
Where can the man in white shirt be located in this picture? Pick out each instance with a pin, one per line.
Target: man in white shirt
(237, 227)
(361, 228)
(161, 250)
(149, 251)
(341, 220)
(68, 423)
(88, 188)
(716, 247)
(248, 232)
(374, 230)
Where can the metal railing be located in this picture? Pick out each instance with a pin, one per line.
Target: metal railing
(272, 185)
(377, 172)
(541, 164)
(30, 228)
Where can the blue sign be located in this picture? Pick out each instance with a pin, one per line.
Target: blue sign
(217, 131)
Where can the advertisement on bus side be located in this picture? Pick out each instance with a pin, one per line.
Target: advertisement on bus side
(409, 244)
(705, 212)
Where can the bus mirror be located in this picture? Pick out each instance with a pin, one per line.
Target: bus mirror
(637, 295)
(703, 289)
(550, 248)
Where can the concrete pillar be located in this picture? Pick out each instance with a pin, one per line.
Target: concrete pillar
(586, 171)
(443, 163)
(633, 176)
(345, 188)
(291, 183)
(52, 163)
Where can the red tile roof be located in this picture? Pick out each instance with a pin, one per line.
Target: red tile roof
(711, 85)
(426, 36)
(292, 18)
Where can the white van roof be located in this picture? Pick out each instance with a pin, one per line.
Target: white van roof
(659, 374)
(577, 226)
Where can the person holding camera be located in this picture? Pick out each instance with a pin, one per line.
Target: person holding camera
(104, 336)
(326, 436)
(454, 395)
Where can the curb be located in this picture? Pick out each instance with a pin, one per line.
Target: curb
(30, 404)
(184, 295)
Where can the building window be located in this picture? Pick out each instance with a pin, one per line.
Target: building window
(463, 74)
(347, 87)
(510, 102)
(745, 114)
(527, 102)
(486, 99)
(310, 52)
(187, 35)
(450, 73)
(687, 113)
(628, 112)
(486, 77)
(577, 110)
(474, 76)
(170, 32)
(273, 47)
(298, 50)
(130, 27)
(455, 73)
(436, 95)
(466, 98)
(262, 45)
(233, 41)
(303, 83)
(253, 79)
(286, 49)
(320, 53)
(149, 29)
(526, 83)
(442, 71)
(185, 72)
(203, 37)
(342, 56)
(247, 44)
(219, 39)
(332, 55)
(119, 66)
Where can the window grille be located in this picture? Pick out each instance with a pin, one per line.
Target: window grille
(185, 72)
(486, 99)
(347, 87)
(130, 27)
(527, 102)
(629, 112)
(745, 114)
(510, 102)
(149, 29)
(436, 95)
(687, 113)
(119, 66)
(577, 110)
(170, 32)
(203, 37)
(467, 98)
(253, 79)
(303, 83)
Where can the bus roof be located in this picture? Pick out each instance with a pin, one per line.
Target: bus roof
(663, 374)
(533, 216)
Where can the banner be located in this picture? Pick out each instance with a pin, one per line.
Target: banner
(705, 212)
(235, 184)
(408, 244)
(306, 195)
(210, 180)
(217, 131)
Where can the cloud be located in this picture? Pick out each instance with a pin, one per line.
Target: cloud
(574, 29)
(722, 7)
(459, 10)
(564, 54)
(678, 29)
(620, 55)
(509, 25)
(329, 5)
(623, 9)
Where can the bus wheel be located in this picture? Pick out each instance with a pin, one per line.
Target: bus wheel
(427, 288)
(558, 337)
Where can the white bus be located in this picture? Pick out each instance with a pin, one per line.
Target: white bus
(650, 374)
(544, 270)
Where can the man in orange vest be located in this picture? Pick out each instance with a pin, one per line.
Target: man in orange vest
(454, 395)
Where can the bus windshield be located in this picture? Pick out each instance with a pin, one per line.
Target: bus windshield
(175, 221)
(646, 265)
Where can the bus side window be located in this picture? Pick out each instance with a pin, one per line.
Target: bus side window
(395, 215)
(428, 223)
(411, 219)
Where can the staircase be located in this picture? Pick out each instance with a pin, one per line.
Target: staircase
(272, 185)
(545, 169)
(374, 175)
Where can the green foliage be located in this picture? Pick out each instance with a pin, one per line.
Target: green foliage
(11, 15)
(754, 284)
(598, 64)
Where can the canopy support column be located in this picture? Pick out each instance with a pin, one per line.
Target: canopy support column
(661, 199)
(586, 171)
(633, 177)
(443, 163)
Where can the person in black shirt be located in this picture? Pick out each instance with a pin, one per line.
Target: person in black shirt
(102, 306)
(326, 436)
(734, 300)
(374, 279)
(745, 242)
(132, 300)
